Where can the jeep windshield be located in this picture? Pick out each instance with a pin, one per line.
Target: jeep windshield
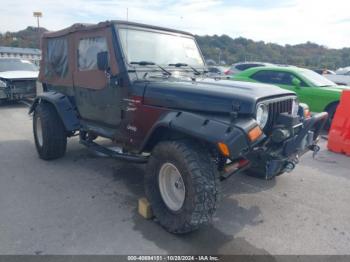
(162, 48)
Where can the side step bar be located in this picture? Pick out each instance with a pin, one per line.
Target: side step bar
(106, 151)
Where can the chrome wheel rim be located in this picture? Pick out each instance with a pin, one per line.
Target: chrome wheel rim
(171, 186)
(39, 131)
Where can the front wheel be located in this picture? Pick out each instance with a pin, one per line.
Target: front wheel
(49, 132)
(181, 183)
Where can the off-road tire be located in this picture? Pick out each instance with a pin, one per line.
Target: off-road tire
(54, 137)
(200, 178)
(331, 112)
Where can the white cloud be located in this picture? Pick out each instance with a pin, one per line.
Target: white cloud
(298, 21)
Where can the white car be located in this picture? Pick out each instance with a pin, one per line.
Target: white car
(239, 67)
(341, 76)
(216, 71)
(17, 79)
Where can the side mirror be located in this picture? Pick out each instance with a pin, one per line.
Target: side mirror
(102, 61)
(296, 82)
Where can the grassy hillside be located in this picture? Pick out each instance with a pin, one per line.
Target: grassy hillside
(28, 37)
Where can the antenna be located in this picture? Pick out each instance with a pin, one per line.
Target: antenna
(126, 40)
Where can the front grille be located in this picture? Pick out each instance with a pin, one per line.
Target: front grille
(24, 86)
(277, 107)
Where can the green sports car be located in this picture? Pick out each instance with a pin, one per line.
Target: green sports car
(313, 89)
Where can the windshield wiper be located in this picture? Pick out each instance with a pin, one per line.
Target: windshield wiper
(196, 72)
(146, 63)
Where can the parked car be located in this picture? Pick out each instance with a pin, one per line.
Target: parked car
(313, 89)
(239, 67)
(324, 72)
(341, 76)
(216, 71)
(17, 79)
(343, 70)
(145, 88)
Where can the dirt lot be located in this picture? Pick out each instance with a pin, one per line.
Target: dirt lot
(85, 204)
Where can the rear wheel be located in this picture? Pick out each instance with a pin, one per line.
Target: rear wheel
(49, 133)
(181, 183)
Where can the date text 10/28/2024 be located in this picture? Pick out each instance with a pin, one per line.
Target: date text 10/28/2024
(172, 258)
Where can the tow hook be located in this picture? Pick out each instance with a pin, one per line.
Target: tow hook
(291, 164)
(315, 149)
(289, 167)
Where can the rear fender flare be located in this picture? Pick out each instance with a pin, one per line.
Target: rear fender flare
(63, 106)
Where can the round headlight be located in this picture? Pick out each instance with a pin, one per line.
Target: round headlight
(262, 115)
(2, 83)
(295, 107)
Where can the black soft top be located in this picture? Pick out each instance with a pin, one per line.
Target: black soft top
(87, 27)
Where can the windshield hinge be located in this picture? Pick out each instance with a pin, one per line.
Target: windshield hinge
(235, 109)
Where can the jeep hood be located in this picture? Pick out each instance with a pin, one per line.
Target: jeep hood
(14, 75)
(210, 95)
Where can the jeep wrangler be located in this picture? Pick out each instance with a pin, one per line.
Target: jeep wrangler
(146, 89)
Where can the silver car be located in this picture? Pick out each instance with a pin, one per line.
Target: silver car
(241, 66)
(17, 79)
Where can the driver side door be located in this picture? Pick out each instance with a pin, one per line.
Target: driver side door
(97, 92)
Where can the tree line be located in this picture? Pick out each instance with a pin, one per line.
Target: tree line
(229, 50)
(240, 49)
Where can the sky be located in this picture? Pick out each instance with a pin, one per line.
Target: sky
(282, 21)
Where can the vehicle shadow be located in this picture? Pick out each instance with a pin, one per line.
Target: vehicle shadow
(211, 239)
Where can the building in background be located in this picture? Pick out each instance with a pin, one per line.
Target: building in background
(31, 54)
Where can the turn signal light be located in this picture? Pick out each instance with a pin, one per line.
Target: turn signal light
(306, 110)
(255, 133)
(224, 149)
(307, 113)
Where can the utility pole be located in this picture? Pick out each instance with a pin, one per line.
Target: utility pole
(38, 15)
(219, 61)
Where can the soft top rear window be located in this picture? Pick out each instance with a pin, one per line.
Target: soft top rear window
(56, 60)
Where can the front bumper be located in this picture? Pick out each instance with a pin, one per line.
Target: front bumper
(272, 159)
(18, 89)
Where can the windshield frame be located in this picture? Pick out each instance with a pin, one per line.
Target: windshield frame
(117, 27)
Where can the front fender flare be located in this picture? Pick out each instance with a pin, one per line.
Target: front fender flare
(205, 129)
(63, 106)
